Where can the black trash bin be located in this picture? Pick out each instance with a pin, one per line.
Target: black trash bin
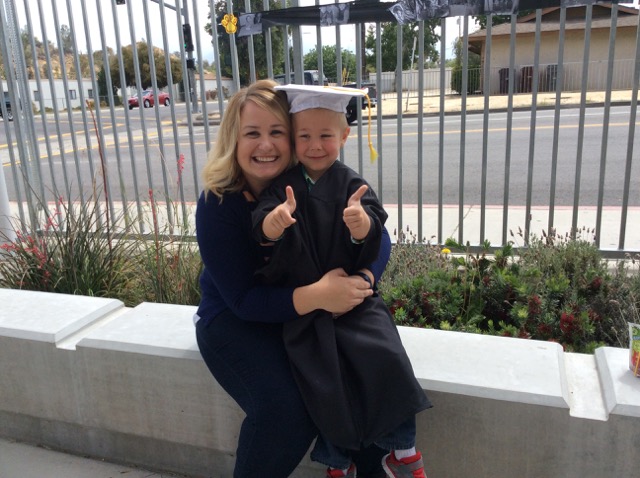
(504, 80)
(550, 78)
(526, 79)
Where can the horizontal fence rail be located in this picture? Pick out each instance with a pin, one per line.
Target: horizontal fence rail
(529, 129)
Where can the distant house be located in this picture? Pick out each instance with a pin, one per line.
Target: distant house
(211, 85)
(574, 49)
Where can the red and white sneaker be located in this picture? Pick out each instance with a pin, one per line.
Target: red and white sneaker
(411, 467)
(336, 473)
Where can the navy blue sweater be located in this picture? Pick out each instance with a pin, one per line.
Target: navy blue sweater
(231, 257)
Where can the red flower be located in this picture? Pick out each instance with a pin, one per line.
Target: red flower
(534, 304)
(595, 284)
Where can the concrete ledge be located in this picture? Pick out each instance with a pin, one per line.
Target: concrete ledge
(620, 386)
(89, 376)
(499, 368)
(35, 316)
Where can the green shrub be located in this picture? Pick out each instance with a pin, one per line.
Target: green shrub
(555, 288)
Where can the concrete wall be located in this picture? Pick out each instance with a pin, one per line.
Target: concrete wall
(89, 376)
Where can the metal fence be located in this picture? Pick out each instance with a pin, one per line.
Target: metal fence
(477, 173)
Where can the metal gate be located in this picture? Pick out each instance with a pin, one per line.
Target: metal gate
(463, 151)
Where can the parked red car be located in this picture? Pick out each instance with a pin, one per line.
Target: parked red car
(148, 99)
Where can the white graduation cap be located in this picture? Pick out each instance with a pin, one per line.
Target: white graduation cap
(334, 98)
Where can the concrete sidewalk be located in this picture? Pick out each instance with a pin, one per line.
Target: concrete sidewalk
(21, 460)
(388, 106)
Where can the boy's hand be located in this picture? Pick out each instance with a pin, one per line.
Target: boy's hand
(280, 218)
(355, 217)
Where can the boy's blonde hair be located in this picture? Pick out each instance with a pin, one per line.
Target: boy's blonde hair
(340, 118)
(221, 173)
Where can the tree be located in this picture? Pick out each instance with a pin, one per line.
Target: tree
(242, 44)
(329, 63)
(389, 44)
(499, 19)
(142, 50)
(473, 70)
(67, 40)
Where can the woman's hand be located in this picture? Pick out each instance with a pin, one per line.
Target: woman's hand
(335, 292)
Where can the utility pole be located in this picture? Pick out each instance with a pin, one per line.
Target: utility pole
(191, 66)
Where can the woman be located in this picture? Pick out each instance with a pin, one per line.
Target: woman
(239, 324)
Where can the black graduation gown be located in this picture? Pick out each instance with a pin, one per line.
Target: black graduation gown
(353, 371)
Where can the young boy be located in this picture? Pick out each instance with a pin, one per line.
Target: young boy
(352, 370)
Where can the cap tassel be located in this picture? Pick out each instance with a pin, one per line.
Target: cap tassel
(373, 154)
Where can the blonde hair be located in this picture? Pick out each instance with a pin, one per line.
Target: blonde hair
(339, 118)
(221, 174)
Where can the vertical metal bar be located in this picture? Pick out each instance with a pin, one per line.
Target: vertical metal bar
(177, 152)
(463, 127)
(234, 51)
(319, 48)
(54, 103)
(85, 119)
(338, 54)
(339, 67)
(216, 58)
(104, 166)
(486, 89)
(556, 119)
(154, 85)
(632, 129)
(511, 78)
(72, 127)
(143, 124)
(116, 140)
(532, 127)
(441, 115)
(296, 37)
(420, 125)
(583, 100)
(267, 42)
(252, 56)
(183, 11)
(285, 38)
(379, 107)
(12, 160)
(22, 120)
(194, 163)
(203, 92)
(359, 60)
(399, 29)
(605, 120)
(127, 120)
(36, 68)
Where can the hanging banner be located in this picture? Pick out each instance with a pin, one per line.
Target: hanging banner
(403, 11)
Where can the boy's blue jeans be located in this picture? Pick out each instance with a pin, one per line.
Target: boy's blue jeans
(402, 438)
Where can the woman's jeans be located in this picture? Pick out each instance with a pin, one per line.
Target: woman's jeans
(249, 361)
(402, 438)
